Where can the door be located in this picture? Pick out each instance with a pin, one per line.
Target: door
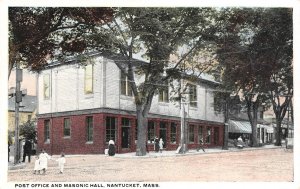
(125, 137)
(216, 135)
(163, 132)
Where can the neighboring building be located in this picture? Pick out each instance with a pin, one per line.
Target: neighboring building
(82, 108)
(239, 125)
(27, 110)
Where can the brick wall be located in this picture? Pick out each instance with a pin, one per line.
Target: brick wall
(77, 142)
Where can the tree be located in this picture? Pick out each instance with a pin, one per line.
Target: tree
(28, 131)
(241, 70)
(275, 39)
(255, 54)
(37, 34)
(156, 33)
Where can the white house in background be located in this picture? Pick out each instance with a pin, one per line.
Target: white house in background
(80, 108)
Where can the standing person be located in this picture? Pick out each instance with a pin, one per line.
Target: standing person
(161, 145)
(27, 150)
(37, 166)
(61, 162)
(8, 151)
(156, 144)
(44, 161)
(111, 148)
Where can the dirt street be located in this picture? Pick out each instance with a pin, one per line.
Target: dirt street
(257, 165)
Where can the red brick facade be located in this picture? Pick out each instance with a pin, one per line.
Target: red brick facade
(77, 142)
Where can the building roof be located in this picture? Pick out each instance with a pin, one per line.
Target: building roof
(205, 78)
(28, 104)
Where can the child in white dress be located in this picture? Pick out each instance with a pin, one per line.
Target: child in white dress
(44, 161)
(37, 167)
(61, 162)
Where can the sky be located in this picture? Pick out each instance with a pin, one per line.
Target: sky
(4, 4)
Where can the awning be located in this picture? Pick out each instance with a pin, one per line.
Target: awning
(239, 127)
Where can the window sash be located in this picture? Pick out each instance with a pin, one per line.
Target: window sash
(200, 134)
(164, 95)
(173, 133)
(67, 129)
(208, 136)
(125, 85)
(193, 95)
(110, 129)
(88, 79)
(47, 130)
(46, 84)
(151, 131)
(191, 134)
(89, 123)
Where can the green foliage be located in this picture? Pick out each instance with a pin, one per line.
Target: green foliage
(10, 138)
(36, 34)
(28, 130)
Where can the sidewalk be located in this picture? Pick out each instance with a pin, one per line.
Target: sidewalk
(195, 152)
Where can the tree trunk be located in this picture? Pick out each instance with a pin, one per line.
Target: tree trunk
(226, 125)
(253, 106)
(278, 132)
(142, 123)
(254, 129)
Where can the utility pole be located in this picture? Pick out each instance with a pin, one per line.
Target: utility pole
(18, 99)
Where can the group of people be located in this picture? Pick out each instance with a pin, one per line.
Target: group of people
(41, 162)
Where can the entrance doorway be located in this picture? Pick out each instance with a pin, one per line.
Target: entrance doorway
(125, 137)
(163, 132)
(216, 135)
(125, 130)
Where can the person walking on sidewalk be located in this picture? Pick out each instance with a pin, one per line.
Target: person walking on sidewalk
(161, 145)
(200, 145)
(44, 161)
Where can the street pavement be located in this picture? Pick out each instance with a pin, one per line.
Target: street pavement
(268, 163)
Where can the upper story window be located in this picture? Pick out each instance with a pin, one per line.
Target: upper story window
(88, 79)
(67, 127)
(125, 85)
(164, 93)
(46, 84)
(193, 95)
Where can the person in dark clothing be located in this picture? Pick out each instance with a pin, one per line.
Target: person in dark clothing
(111, 148)
(27, 150)
(8, 151)
(156, 144)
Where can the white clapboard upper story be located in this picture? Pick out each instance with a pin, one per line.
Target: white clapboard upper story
(71, 87)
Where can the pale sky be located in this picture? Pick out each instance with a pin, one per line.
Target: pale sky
(29, 82)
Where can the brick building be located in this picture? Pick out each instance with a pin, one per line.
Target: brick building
(80, 108)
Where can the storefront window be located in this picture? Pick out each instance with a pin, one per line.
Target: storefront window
(151, 132)
(191, 134)
(208, 136)
(173, 133)
(110, 129)
(89, 128)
